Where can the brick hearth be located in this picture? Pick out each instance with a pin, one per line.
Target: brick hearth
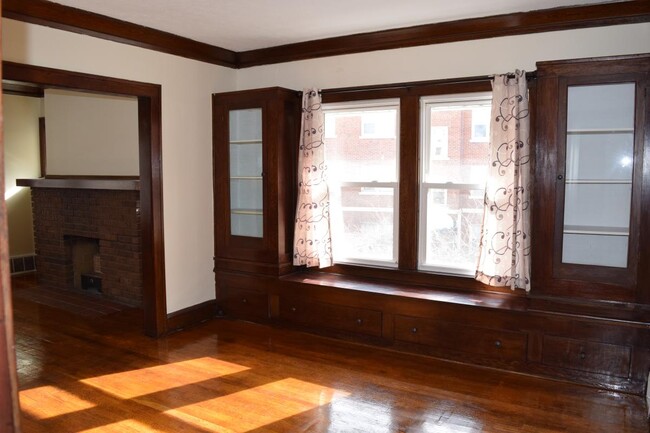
(110, 216)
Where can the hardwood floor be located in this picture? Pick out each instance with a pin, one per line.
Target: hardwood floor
(101, 374)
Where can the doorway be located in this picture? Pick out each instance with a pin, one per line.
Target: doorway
(149, 142)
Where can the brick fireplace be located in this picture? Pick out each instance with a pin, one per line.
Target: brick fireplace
(89, 239)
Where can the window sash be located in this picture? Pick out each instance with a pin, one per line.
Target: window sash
(427, 104)
(335, 191)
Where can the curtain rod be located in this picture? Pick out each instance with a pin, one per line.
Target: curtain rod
(475, 79)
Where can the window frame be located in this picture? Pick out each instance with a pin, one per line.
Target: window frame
(409, 94)
(426, 102)
(363, 106)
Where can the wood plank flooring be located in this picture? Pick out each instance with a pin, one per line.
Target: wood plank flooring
(101, 374)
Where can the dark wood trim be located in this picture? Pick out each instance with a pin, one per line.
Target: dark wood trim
(87, 23)
(409, 184)
(22, 89)
(538, 21)
(191, 316)
(9, 403)
(545, 20)
(643, 290)
(151, 198)
(42, 146)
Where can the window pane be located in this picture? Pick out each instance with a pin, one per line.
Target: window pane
(361, 144)
(361, 149)
(452, 228)
(465, 160)
(455, 158)
(363, 223)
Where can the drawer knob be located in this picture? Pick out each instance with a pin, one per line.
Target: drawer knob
(583, 355)
(359, 321)
(414, 330)
(293, 309)
(497, 344)
(244, 301)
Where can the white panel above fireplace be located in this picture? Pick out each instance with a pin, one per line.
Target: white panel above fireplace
(89, 134)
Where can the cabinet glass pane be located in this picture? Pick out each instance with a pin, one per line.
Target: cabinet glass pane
(246, 184)
(598, 178)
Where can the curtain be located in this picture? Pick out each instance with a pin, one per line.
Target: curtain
(312, 237)
(504, 256)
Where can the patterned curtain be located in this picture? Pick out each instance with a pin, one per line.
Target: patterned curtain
(312, 238)
(504, 257)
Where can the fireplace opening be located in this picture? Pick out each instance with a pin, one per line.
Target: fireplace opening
(86, 263)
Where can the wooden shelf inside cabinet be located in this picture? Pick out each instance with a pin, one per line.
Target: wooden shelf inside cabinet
(595, 230)
(600, 131)
(255, 138)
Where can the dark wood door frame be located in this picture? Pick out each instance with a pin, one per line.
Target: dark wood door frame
(151, 204)
(9, 407)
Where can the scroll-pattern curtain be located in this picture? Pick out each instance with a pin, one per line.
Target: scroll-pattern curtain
(504, 258)
(312, 237)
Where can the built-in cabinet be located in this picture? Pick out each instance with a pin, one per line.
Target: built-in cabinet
(587, 317)
(590, 170)
(254, 142)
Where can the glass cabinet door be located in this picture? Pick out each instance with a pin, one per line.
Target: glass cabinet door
(246, 167)
(598, 174)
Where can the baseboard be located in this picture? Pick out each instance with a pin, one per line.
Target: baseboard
(191, 316)
(22, 264)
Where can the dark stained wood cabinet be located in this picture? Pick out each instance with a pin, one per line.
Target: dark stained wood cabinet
(592, 138)
(255, 135)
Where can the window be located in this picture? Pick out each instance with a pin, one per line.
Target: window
(361, 151)
(378, 124)
(451, 188)
(481, 124)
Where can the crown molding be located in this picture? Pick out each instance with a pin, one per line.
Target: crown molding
(567, 18)
(538, 21)
(79, 21)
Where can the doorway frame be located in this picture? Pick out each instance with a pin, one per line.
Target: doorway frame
(154, 302)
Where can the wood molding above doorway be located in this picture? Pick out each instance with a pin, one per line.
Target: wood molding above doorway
(151, 206)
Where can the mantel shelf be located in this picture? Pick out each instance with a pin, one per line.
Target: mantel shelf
(84, 182)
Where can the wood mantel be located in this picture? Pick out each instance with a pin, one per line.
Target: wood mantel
(122, 183)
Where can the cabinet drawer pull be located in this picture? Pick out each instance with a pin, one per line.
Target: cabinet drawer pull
(359, 321)
(244, 301)
(583, 355)
(414, 330)
(497, 344)
(293, 309)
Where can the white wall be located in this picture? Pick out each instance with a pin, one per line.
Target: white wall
(452, 60)
(22, 161)
(186, 137)
(90, 134)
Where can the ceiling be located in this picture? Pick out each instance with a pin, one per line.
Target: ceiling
(242, 25)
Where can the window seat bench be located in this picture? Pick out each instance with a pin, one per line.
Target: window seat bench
(589, 343)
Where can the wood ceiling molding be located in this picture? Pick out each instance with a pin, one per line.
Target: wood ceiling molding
(546, 20)
(79, 21)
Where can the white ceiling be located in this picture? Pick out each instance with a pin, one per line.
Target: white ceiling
(242, 25)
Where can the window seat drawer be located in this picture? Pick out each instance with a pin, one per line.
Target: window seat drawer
(244, 304)
(444, 337)
(334, 317)
(588, 356)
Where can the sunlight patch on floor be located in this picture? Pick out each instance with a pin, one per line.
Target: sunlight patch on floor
(49, 401)
(126, 426)
(256, 407)
(136, 383)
